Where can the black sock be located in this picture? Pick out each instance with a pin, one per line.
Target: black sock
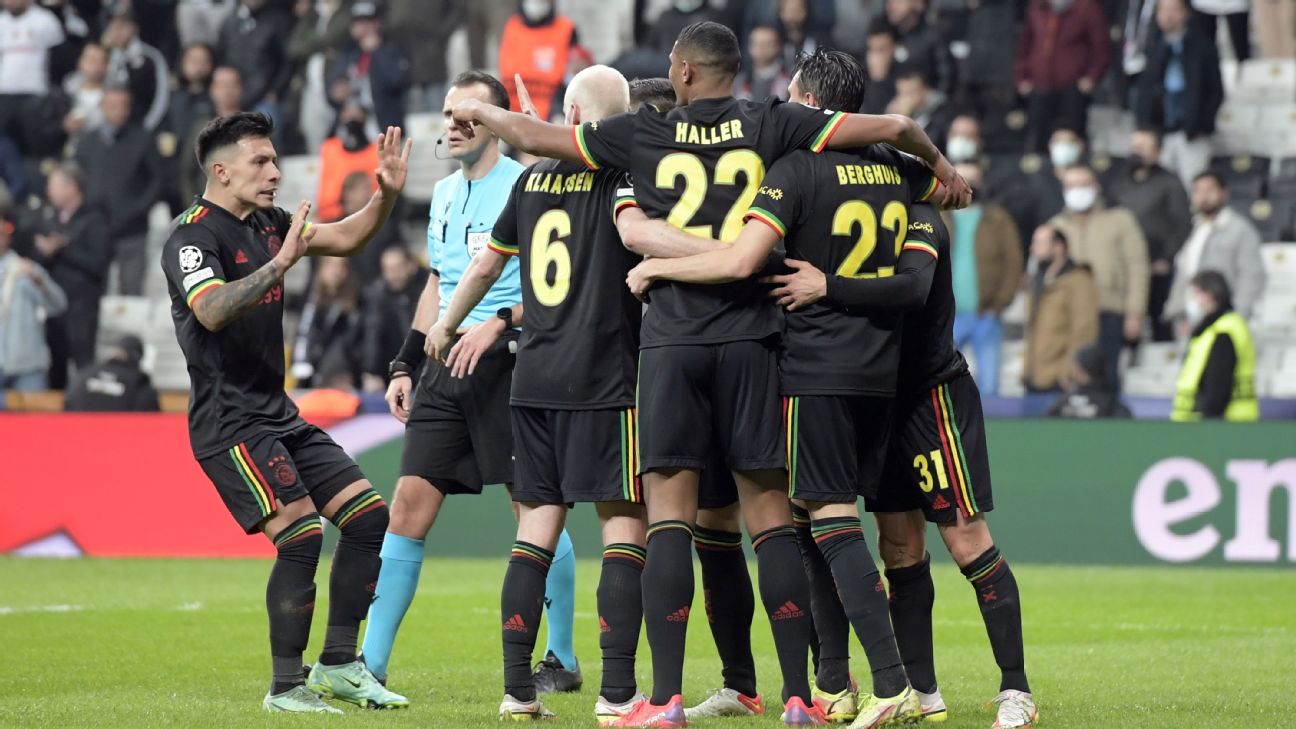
(620, 607)
(730, 604)
(668, 575)
(521, 602)
(912, 597)
(356, 561)
(290, 598)
(864, 597)
(830, 643)
(1000, 604)
(785, 594)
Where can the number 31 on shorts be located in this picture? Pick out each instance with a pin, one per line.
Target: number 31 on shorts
(937, 462)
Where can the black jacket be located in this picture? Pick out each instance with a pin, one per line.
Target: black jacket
(387, 318)
(925, 50)
(256, 44)
(1204, 92)
(1157, 198)
(79, 267)
(123, 176)
(112, 387)
(389, 79)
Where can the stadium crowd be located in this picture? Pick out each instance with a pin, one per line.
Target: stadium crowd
(1103, 186)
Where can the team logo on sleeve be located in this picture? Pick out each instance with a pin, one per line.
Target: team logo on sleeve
(190, 259)
(774, 193)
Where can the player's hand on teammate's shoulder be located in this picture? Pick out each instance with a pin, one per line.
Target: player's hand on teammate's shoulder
(799, 289)
(398, 396)
(393, 162)
(957, 192)
(474, 342)
(300, 233)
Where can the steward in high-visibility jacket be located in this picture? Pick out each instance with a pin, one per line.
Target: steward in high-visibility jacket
(1218, 375)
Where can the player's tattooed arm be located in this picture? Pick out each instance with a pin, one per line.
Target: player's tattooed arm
(658, 238)
(524, 132)
(226, 303)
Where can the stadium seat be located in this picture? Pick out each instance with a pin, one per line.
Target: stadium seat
(1109, 169)
(1276, 307)
(1280, 267)
(425, 170)
(121, 315)
(300, 181)
(1283, 184)
(1236, 124)
(1267, 80)
(1272, 217)
(1246, 175)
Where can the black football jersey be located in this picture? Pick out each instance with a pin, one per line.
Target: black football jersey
(580, 324)
(236, 374)
(848, 214)
(928, 356)
(699, 167)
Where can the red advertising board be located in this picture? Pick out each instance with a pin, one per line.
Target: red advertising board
(112, 486)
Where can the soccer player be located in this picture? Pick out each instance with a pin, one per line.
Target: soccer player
(937, 466)
(573, 394)
(707, 356)
(224, 261)
(845, 211)
(457, 434)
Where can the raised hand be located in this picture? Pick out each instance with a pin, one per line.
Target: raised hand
(393, 161)
(524, 97)
(298, 240)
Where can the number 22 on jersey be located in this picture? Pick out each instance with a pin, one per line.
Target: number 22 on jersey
(727, 168)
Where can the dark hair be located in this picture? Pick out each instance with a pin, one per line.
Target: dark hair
(1154, 131)
(834, 77)
(226, 130)
(1214, 283)
(655, 92)
(73, 172)
(1060, 237)
(400, 248)
(711, 45)
(778, 32)
(499, 96)
(907, 72)
(880, 26)
(1211, 175)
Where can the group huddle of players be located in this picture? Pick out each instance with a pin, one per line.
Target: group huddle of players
(732, 314)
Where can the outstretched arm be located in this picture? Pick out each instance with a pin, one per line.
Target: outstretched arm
(524, 132)
(907, 289)
(351, 234)
(658, 238)
(905, 134)
(733, 263)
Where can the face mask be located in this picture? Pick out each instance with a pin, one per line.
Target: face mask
(535, 10)
(962, 149)
(1064, 154)
(688, 6)
(1193, 310)
(354, 134)
(1080, 199)
(1059, 5)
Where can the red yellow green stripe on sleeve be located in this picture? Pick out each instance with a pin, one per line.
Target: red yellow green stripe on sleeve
(626, 201)
(201, 289)
(917, 245)
(931, 190)
(502, 248)
(767, 218)
(828, 131)
(578, 133)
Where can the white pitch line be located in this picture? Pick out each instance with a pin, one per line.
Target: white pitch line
(10, 610)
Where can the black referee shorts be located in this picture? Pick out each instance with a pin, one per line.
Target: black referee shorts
(458, 435)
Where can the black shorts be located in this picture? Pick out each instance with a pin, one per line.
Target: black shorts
(458, 435)
(836, 445)
(702, 398)
(256, 473)
(716, 487)
(572, 456)
(938, 461)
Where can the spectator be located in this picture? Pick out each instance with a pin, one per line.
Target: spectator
(986, 260)
(1066, 148)
(879, 62)
(27, 33)
(542, 47)
(1109, 242)
(1236, 14)
(914, 98)
(1218, 375)
(124, 178)
(1091, 394)
(191, 102)
(680, 15)
(1157, 199)
(964, 142)
(986, 74)
(328, 336)
(371, 72)
(200, 21)
(116, 385)
(854, 19)
(796, 26)
(13, 176)
(1063, 313)
(357, 188)
(348, 152)
(1181, 91)
(423, 29)
(919, 44)
(27, 296)
(225, 95)
(74, 247)
(1061, 57)
(1223, 242)
(388, 312)
(253, 39)
(137, 66)
(323, 29)
(485, 28)
(766, 75)
(85, 89)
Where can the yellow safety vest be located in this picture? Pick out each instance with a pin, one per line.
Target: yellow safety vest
(1243, 406)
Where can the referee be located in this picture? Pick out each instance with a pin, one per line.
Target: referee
(457, 429)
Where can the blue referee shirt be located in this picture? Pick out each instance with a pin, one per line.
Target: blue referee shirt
(459, 226)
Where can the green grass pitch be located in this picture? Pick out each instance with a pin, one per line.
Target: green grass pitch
(132, 643)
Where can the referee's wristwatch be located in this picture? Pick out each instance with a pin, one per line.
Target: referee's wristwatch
(506, 315)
